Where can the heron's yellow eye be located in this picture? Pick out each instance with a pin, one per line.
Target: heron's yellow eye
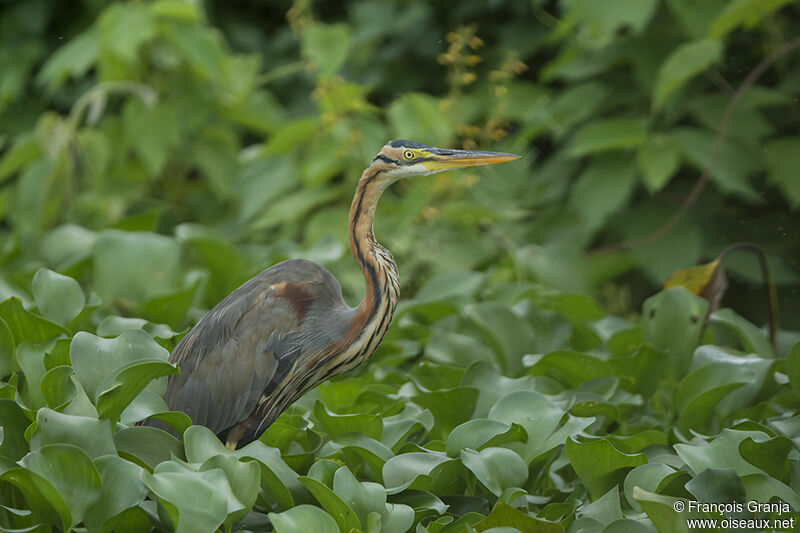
(409, 154)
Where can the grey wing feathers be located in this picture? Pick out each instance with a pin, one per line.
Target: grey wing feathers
(228, 358)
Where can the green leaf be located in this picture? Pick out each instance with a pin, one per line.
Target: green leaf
(122, 489)
(134, 265)
(147, 446)
(684, 63)
(746, 13)
(242, 487)
(71, 473)
(657, 159)
(602, 189)
(59, 298)
(7, 350)
(91, 435)
(417, 116)
(661, 511)
(481, 432)
(303, 518)
(571, 368)
(14, 423)
(541, 419)
(117, 391)
(599, 465)
(24, 151)
(504, 516)
(124, 28)
(610, 134)
(99, 362)
(193, 501)
(44, 501)
(649, 477)
(506, 333)
(27, 326)
(496, 468)
(450, 407)
(57, 387)
(73, 60)
(675, 309)
(345, 518)
(752, 338)
(783, 158)
(337, 425)
(411, 470)
(326, 46)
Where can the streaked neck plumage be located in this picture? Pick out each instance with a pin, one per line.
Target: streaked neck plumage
(375, 261)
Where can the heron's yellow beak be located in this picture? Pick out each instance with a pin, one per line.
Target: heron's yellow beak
(443, 159)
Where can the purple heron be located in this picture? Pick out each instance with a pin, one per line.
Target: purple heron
(288, 328)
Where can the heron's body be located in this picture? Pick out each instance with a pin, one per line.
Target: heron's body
(288, 328)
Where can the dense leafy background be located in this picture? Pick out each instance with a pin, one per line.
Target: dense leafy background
(154, 155)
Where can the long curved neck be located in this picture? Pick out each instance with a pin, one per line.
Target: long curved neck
(375, 261)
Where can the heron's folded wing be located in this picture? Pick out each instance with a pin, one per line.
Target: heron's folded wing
(228, 358)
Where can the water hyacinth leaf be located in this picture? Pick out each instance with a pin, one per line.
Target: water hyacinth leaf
(243, 484)
(30, 357)
(91, 435)
(411, 470)
(277, 479)
(134, 266)
(122, 489)
(752, 338)
(649, 477)
(425, 504)
(398, 428)
(661, 511)
(7, 350)
(97, 361)
(360, 450)
(571, 368)
(507, 334)
(599, 465)
(71, 472)
(117, 391)
(367, 498)
(479, 432)
(345, 518)
(338, 425)
(303, 518)
(44, 501)
(675, 309)
(450, 407)
(14, 423)
(193, 501)
(496, 468)
(503, 516)
(720, 453)
(493, 385)
(59, 298)
(27, 326)
(540, 418)
(57, 387)
(701, 391)
(712, 485)
(147, 446)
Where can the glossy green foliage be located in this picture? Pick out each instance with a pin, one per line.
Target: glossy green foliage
(155, 155)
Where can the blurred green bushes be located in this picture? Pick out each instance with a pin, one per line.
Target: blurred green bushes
(253, 120)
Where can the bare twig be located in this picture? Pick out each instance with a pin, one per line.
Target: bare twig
(704, 178)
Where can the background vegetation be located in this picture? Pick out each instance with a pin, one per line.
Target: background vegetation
(154, 155)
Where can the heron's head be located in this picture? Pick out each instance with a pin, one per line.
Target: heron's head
(405, 159)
